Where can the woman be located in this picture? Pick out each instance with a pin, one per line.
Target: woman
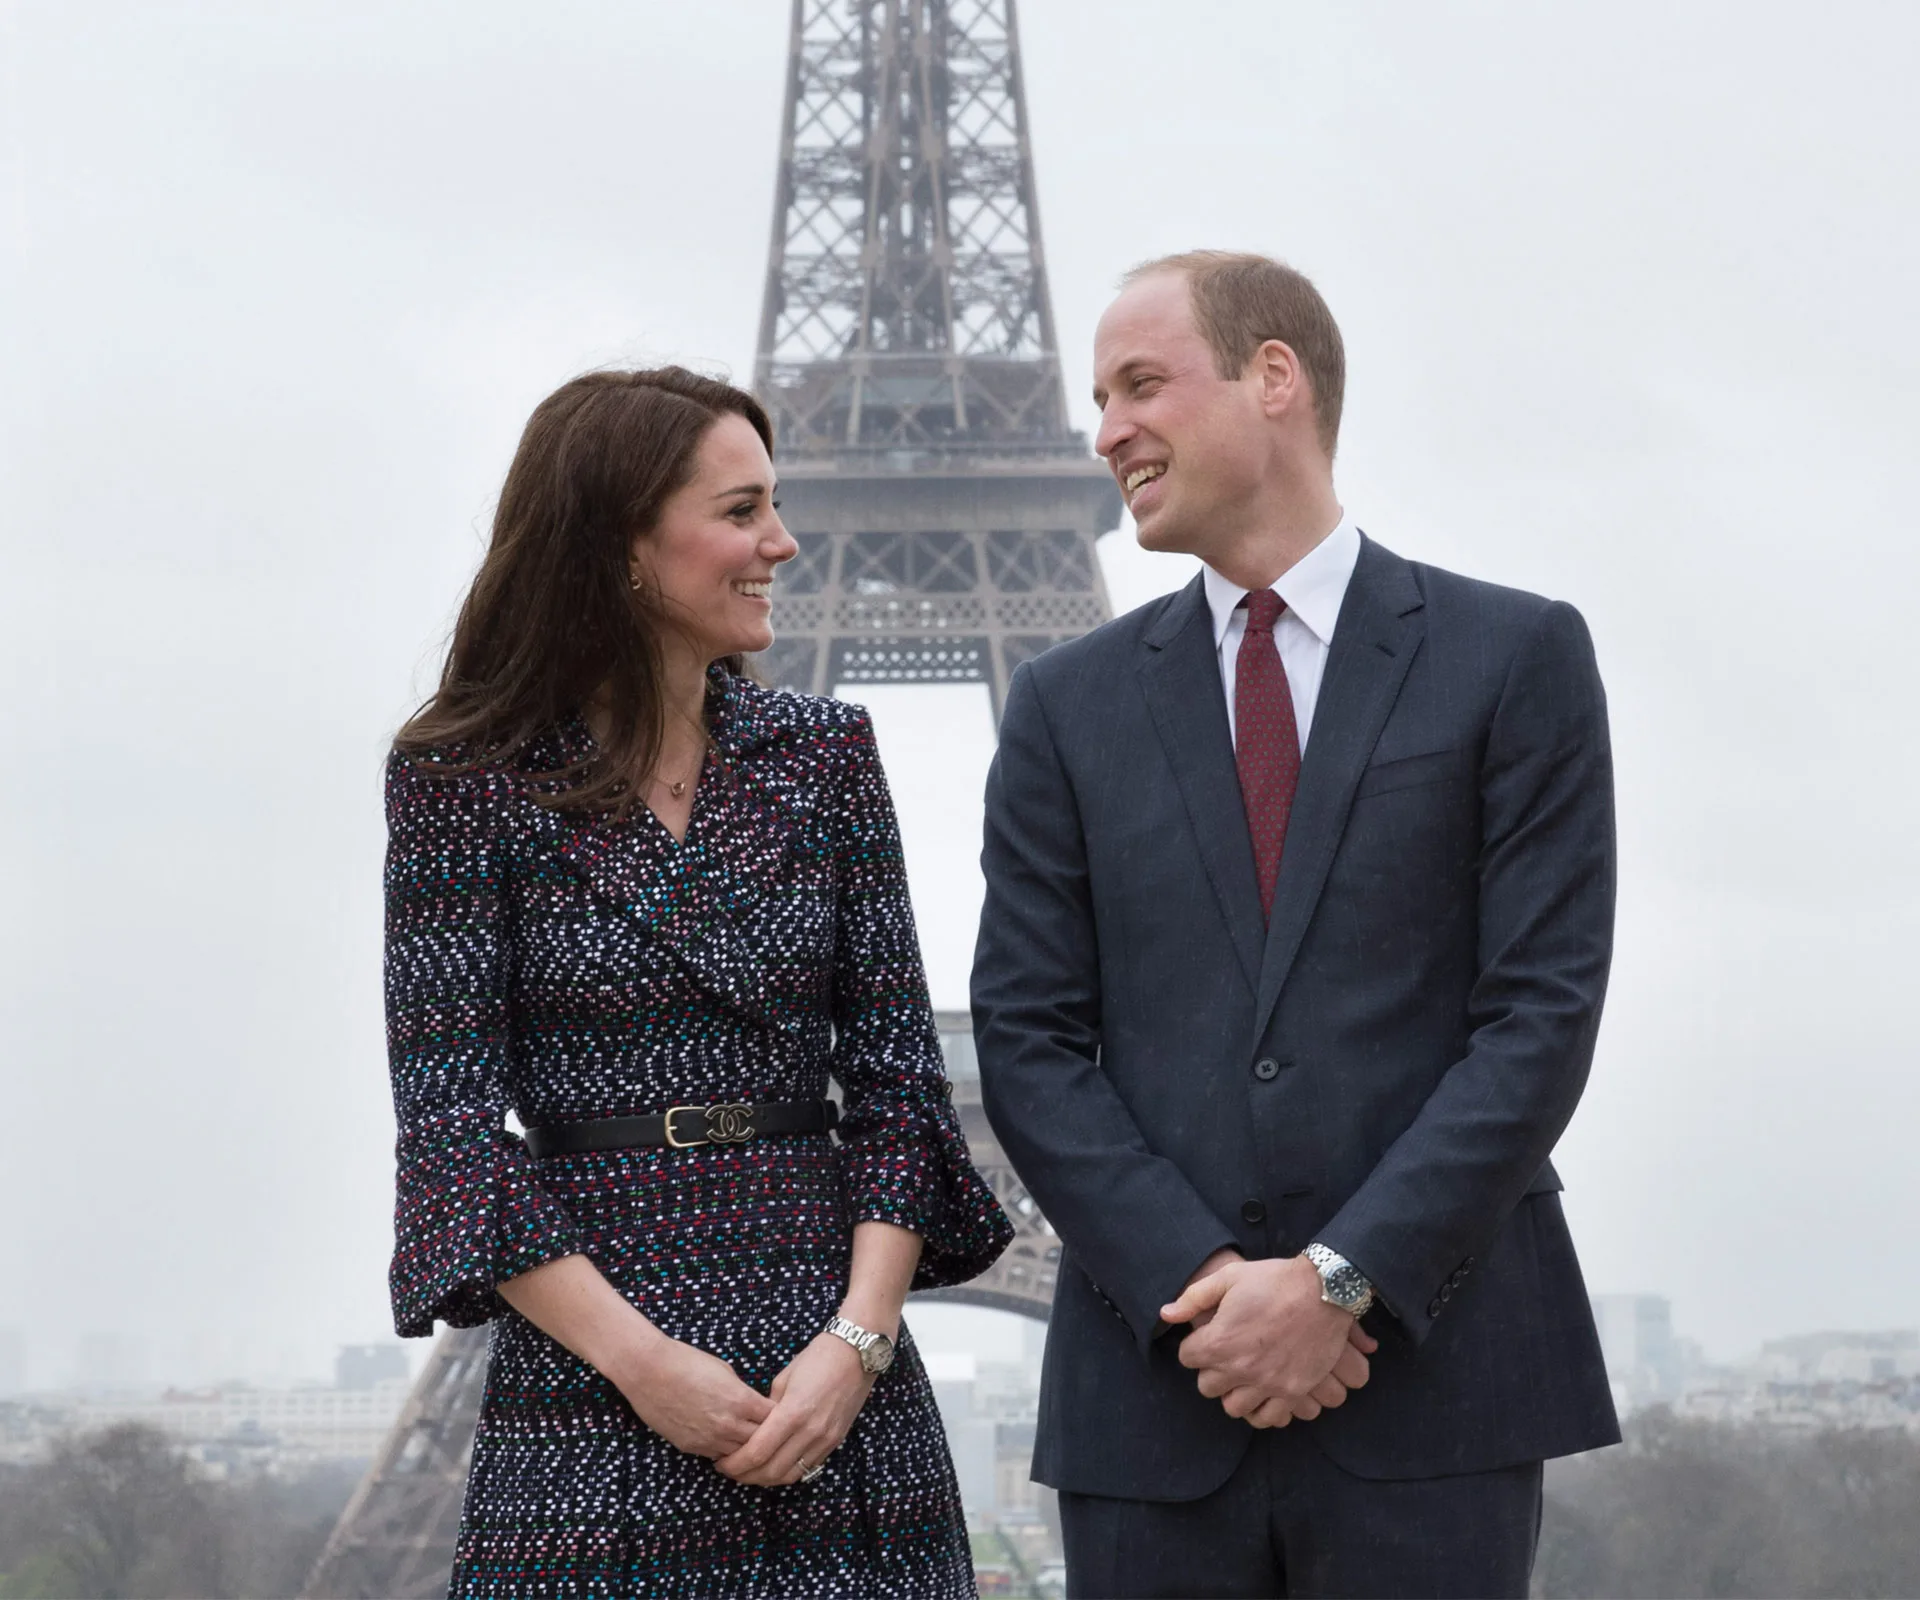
(651, 907)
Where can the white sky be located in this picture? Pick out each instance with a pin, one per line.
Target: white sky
(1628, 292)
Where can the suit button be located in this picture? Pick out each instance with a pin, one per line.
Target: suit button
(1433, 1308)
(1253, 1211)
(1266, 1069)
(1467, 1265)
(1446, 1293)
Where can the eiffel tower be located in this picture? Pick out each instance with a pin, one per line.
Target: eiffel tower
(945, 513)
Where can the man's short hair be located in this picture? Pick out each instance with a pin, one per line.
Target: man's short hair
(1240, 301)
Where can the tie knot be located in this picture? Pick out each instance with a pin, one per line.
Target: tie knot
(1263, 610)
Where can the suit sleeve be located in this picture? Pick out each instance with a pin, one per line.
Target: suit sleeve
(1545, 936)
(469, 1210)
(1131, 1219)
(902, 1149)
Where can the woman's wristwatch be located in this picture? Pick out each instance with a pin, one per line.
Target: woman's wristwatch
(876, 1349)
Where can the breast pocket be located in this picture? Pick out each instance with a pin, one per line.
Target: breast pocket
(1413, 772)
(1406, 859)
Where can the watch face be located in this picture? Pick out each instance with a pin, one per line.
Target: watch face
(878, 1356)
(1346, 1286)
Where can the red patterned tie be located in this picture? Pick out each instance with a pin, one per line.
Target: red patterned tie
(1266, 739)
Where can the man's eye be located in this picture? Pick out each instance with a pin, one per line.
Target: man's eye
(775, 504)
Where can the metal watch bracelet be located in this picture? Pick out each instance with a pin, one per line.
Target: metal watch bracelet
(1342, 1284)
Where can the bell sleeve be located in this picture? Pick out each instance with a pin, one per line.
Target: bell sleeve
(904, 1157)
(469, 1211)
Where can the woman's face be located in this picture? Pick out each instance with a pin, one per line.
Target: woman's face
(712, 555)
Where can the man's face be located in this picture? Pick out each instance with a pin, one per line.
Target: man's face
(1188, 447)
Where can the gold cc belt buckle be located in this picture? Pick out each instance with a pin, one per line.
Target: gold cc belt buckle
(725, 1125)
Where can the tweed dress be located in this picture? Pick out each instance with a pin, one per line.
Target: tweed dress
(565, 967)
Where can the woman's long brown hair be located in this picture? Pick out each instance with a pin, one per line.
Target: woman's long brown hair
(553, 619)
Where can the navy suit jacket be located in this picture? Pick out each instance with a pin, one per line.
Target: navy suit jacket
(1384, 1067)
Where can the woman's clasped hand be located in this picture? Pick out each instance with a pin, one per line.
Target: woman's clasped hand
(815, 1399)
(693, 1400)
(700, 1405)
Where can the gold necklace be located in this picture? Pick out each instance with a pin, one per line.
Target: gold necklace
(678, 788)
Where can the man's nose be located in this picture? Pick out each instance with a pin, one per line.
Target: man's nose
(1115, 430)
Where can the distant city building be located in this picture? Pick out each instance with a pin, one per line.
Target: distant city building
(28, 1425)
(1646, 1363)
(1843, 1357)
(366, 1366)
(1819, 1380)
(951, 1374)
(990, 1409)
(973, 1442)
(306, 1423)
(1806, 1407)
(1016, 1497)
(954, 1376)
(1808, 1382)
(226, 1426)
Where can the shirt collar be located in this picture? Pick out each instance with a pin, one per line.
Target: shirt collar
(1313, 587)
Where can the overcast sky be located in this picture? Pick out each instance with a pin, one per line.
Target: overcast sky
(1629, 300)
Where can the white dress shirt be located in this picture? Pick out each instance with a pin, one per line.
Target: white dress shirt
(1312, 588)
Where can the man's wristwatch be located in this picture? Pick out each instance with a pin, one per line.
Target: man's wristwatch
(876, 1349)
(1342, 1284)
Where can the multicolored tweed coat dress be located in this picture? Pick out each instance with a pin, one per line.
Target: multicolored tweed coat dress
(570, 967)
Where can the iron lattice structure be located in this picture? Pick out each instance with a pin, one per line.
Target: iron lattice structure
(945, 511)
(946, 517)
(394, 1540)
(906, 302)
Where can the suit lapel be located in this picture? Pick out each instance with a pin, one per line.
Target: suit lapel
(1181, 680)
(1374, 642)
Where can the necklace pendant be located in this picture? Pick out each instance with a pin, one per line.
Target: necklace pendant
(678, 789)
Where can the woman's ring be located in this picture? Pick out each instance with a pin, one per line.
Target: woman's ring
(807, 1473)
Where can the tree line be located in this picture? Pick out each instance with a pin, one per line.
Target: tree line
(1687, 1508)
(1683, 1508)
(122, 1513)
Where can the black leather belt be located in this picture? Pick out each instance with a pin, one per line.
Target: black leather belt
(684, 1127)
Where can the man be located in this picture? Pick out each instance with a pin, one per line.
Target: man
(1298, 918)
